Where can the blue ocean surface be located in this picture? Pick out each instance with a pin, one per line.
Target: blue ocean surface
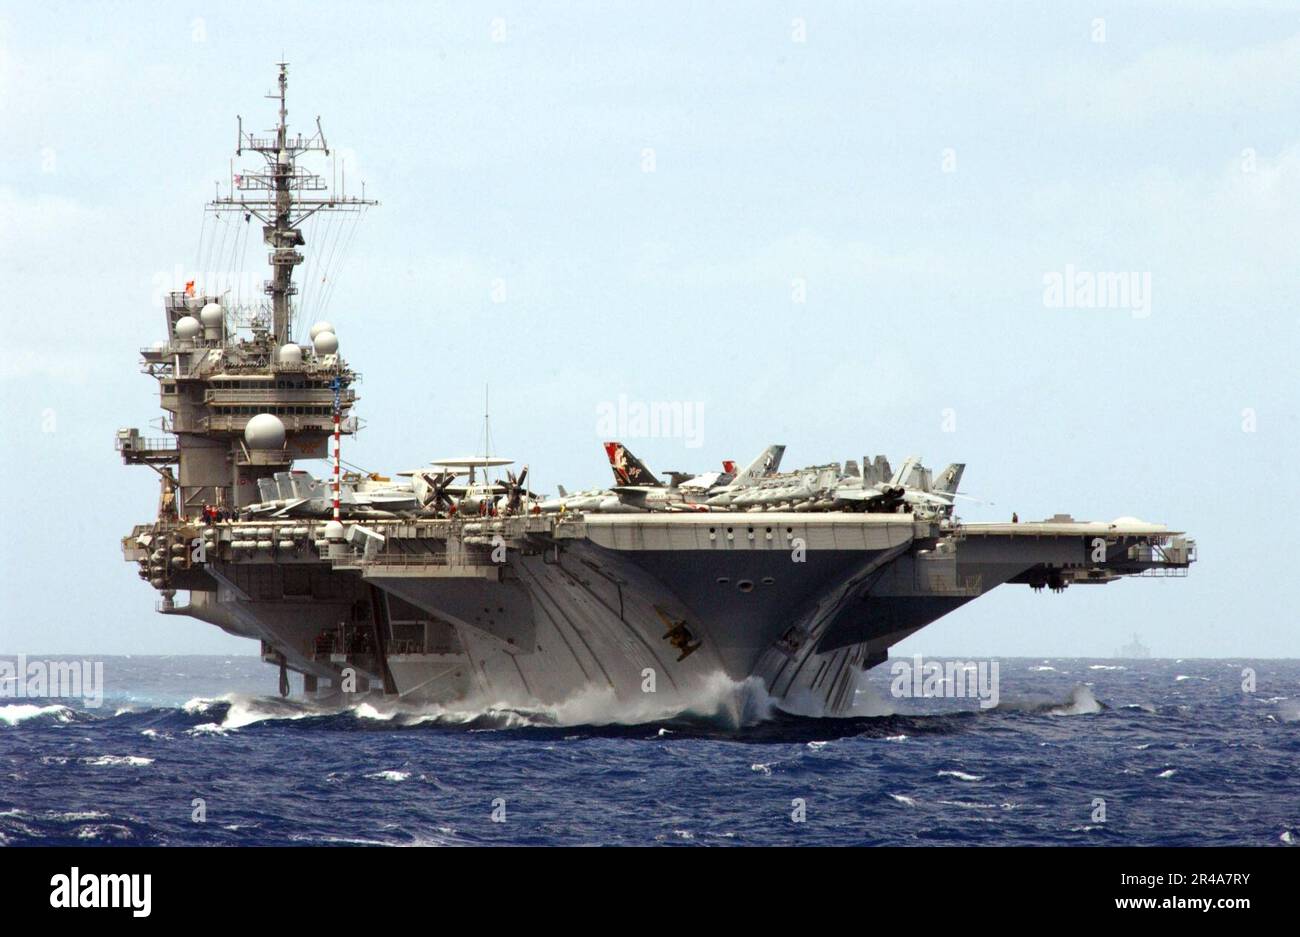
(200, 750)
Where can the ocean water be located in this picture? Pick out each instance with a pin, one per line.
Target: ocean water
(199, 750)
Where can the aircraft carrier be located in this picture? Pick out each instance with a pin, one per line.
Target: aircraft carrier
(454, 582)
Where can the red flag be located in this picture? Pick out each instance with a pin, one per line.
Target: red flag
(189, 287)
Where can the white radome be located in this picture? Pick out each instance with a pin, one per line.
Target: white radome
(187, 327)
(333, 530)
(211, 316)
(264, 431)
(325, 343)
(290, 354)
(320, 327)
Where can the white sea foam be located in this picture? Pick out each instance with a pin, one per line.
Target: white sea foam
(817, 746)
(716, 699)
(1082, 703)
(243, 711)
(1106, 667)
(904, 800)
(107, 761)
(104, 831)
(367, 711)
(14, 713)
(961, 775)
(394, 776)
(1167, 773)
(198, 705)
(763, 769)
(1141, 707)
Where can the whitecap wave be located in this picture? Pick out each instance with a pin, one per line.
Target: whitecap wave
(109, 761)
(961, 775)
(1141, 707)
(15, 713)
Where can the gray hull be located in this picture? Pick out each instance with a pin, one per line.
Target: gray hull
(647, 611)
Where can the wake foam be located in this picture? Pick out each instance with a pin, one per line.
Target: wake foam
(718, 702)
(1080, 703)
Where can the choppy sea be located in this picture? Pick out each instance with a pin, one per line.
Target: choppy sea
(200, 750)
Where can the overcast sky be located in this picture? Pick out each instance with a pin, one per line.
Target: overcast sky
(830, 225)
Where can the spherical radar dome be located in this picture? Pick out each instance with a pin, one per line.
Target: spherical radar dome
(188, 327)
(320, 327)
(264, 431)
(325, 343)
(211, 316)
(291, 354)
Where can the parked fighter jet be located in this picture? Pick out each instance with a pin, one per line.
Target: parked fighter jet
(300, 494)
(873, 487)
(638, 489)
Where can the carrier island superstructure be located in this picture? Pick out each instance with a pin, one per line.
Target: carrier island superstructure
(444, 585)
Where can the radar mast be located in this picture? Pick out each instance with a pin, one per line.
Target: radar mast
(282, 195)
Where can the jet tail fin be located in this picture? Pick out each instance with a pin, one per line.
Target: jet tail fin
(949, 479)
(560, 489)
(904, 474)
(768, 462)
(628, 469)
(876, 472)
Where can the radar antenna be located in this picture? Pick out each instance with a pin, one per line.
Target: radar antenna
(275, 195)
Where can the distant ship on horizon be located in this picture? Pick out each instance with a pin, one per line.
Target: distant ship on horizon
(1134, 650)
